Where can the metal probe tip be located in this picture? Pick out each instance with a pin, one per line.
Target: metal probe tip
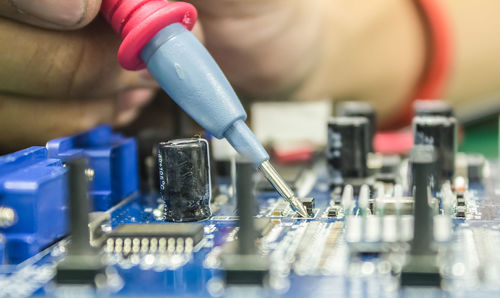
(298, 207)
(282, 188)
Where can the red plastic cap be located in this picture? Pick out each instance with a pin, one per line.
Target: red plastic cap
(439, 62)
(393, 142)
(139, 20)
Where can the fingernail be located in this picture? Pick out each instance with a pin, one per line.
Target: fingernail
(65, 13)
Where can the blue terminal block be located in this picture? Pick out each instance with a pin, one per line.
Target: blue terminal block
(33, 202)
(112, 158)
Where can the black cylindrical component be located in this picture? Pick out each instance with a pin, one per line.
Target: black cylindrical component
(347, 148)
(79, 206)
(422, 159)
(213, 172)
(246, 207)
(360, 109)
(440, 132)
(147, 141)
(185, 179)
(432, 108)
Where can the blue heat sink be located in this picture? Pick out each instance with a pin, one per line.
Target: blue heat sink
(34, 187)
(111, 156)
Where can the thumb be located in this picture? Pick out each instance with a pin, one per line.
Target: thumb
(53, 14)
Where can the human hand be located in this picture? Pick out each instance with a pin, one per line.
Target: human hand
(64, 80)
(318, 49)
(59, 73)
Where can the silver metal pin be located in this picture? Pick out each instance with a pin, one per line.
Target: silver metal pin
(282, 188)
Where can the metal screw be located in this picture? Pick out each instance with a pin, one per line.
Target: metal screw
(7, 217)
(90, 174)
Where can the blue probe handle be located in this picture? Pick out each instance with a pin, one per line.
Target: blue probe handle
(190, 76)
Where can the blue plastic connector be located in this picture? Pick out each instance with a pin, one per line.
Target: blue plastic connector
(111, 156)
(242, 138)
(34, 187)
(191, 77)
(2, 249)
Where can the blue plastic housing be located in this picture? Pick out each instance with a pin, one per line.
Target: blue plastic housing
(191, 77)
(35, 187)
(2, 249)
(111, 156)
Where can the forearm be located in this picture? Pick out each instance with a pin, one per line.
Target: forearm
(474, 83)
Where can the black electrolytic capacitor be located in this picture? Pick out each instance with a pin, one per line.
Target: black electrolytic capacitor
(185, 179)
(440, 132)
(347, 148)
(360, 109)
(432, 108)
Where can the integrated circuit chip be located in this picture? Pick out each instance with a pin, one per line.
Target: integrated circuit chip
(154, 238)
(309, 204)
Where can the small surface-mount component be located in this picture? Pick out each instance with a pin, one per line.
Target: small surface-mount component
(461, 210)
(360, 109)
(347, 150)
(333, 211)
(82, 264)
(185, 179)
(309, 204)
(441, 133)
(152, 238)
(475, 166)
(460, 201)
